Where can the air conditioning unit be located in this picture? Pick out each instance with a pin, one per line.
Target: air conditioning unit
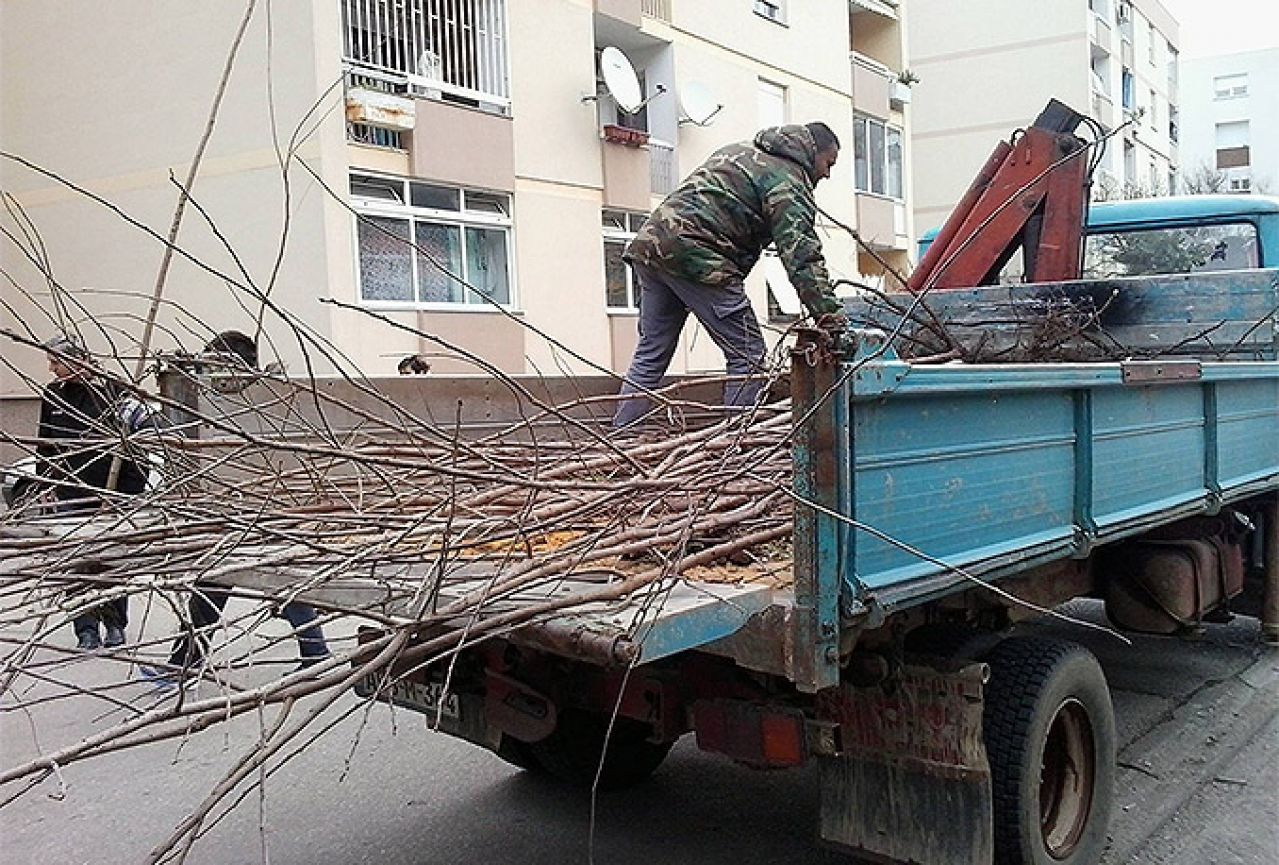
(383, 110)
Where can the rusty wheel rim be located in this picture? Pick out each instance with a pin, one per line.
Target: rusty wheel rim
(1066, 779)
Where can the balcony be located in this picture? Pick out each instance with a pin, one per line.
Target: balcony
(872, 86)
(1103, 108)
(448, 50)
(627, 175)
(626, 11)
(1103, 37)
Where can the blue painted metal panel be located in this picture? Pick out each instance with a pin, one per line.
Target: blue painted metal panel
(1247, 430)
(953, 475)
(987, 468)
(1148, 447)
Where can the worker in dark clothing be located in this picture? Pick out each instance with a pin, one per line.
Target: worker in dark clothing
(80, 416)
(205, 607)
(695, 249)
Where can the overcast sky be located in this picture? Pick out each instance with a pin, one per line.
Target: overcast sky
(1225, 26)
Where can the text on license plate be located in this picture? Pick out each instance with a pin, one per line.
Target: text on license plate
(423, 696)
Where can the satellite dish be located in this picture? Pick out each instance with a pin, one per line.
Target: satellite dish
(698, 103)
(621, 80)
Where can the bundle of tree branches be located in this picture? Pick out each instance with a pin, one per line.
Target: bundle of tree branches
(390, 520)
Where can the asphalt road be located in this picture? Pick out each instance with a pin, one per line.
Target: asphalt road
(1198, 784)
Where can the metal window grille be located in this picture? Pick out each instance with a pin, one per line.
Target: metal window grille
(659, 9)
(375, 136)
(453, 48)
(661, 167)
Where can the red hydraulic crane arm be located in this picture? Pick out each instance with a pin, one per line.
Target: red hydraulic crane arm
(1031, 194)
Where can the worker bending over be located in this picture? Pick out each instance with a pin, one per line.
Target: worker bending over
(695, 249)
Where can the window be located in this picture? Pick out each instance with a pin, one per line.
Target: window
(454, 50)
(619, 282)
(772, 104)
(1230, 86)
(773, 10)
(418, 241)
(1241, 183)
(784, 305)
(1174, 124)
(1154, 110)
(1233, 145)
(1126, 92)
(1152, 44)
(877, 157)
(1195, 249)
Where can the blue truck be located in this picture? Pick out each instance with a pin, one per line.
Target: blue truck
(937, 505)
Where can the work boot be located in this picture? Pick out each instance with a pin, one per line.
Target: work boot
(89, 641)
(167, 680)
(309, 661)
(114, 637)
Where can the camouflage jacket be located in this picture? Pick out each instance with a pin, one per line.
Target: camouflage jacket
(713, 227)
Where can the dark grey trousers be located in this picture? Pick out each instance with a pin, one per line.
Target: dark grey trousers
(664, 303)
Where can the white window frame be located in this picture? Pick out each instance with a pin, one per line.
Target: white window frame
(780, 289)
(770, 94)
(771, 10)
(462, 219)
(620, 234)
(1232, 86)
(860, 147)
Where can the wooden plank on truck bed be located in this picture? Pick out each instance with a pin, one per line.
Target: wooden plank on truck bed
(1229, 315)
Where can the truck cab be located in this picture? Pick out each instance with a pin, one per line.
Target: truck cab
(1174, 234)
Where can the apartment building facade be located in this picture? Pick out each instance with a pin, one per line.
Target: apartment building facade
(480, 131)
(1230, 138)
(987, 67)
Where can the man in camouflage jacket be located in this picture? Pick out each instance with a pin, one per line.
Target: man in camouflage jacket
(695, 249)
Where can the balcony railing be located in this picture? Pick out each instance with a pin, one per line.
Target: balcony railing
(1101, 33)
(453, 48)
(663, 172)
(659, 9)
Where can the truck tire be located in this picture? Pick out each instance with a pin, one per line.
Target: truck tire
(572, 753)
(1050, 736)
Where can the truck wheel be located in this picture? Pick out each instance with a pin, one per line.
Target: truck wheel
(572, 752)
(1050, 737)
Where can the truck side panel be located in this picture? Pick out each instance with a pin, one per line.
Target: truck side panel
(992, 468)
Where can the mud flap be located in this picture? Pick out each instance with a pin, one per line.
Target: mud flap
(911, 782)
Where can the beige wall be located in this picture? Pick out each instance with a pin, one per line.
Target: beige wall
(552, 55)
(813, 45)
(126, 103)
(561, 276)
(986, 68)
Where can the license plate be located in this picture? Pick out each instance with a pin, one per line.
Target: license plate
(423, 696)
